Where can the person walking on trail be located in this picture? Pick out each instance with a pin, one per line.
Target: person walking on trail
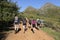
(30, 23)
(38, 23)
(24, 24)
(27, 23)
(16, 24)
(42, 22)
(34, 25)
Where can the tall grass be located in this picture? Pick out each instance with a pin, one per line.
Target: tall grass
(53, 33)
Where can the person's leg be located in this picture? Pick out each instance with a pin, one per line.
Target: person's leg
(29, 25)
(15, 28)
(18, 26)
(36, 27)
(37, 24)
(24, 28)
(32, 29)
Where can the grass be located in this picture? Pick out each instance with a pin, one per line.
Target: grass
(53, 33)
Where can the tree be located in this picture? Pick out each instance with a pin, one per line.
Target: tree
(8, 10)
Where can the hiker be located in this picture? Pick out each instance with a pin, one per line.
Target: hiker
(16, 24)
(34, 25)
(19, 22)
(38, 23)
(27, 23)
(24, 24)
(42, 22)
(30, 23)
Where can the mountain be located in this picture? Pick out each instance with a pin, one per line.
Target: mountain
(47, 10)
(46, 7)
(30, 9)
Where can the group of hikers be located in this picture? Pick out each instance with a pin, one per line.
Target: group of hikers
(32, 23)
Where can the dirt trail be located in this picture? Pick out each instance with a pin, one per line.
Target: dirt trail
(28, 35)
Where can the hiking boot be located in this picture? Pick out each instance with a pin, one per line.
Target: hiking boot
(32, 30)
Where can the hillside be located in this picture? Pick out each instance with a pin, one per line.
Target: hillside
(49, 12)
(29, 8)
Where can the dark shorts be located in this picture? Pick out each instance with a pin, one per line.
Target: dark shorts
(33, 25)
(24, 23)
(38, 24)
(30, 23)
(16, 22)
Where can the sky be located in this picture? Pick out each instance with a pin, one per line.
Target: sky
(34, 3)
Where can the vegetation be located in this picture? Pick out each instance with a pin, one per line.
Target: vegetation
(7, 12)
(53, 33)
(49, 12)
